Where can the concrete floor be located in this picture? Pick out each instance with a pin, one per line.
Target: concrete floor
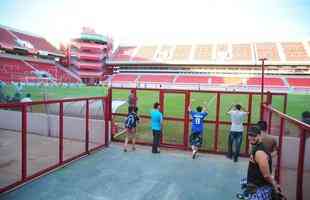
(114, 174)
(42, 152)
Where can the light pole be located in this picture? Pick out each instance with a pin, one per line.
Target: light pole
(262, 85)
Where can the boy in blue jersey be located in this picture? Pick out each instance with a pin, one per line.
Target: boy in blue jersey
(197, 127)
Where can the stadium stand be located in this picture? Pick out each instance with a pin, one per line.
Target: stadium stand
(123, 53)
(295, 51)
(6, 38)
(38, 43)
(217, 80)
(193, 79)
(14, 70)
(156, 78)
(223, 52)
(182, 52)
(267, 50)
(241, 52)
(299, 82)
(145, 53)
(124, 78)
(59, 74)
(164, 53)
(232, 81)
(203, 52)
(267, 81)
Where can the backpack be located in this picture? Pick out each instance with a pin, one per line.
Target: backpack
(130, 121)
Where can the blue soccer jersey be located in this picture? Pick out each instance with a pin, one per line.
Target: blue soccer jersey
(197, 121)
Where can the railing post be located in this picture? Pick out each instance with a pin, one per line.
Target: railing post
(300, 172)
(216, 134)
(269, 101)
(248, 123)
(61, 132)
(279, 151)
(87, 127)
(186, 119)
(106, 121)
(24, 142)
(161, 108)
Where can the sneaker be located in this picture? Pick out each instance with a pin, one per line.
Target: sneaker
(125, 150)
(133, 148)
(235, 159)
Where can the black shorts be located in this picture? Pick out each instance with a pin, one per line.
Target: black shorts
(196, 139)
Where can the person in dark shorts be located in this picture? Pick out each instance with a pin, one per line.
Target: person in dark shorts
(130, 125)
(197, 127)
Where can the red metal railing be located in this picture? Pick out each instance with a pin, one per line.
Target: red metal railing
(292, 170)
(217, 121)
(31, 164)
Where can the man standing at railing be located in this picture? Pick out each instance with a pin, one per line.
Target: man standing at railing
(156, 124)
(132, 100)
(237, 115)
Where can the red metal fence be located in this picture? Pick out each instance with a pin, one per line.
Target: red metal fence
(291, 165)
(176, 128)
(37, 137)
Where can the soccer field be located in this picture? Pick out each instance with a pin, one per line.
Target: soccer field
(174, 103)
(174, 107)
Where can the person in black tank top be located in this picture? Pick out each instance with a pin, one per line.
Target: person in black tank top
(255, 175)
(260, 168)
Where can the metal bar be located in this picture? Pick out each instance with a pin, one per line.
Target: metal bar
(105, 119)
(186, 120)
(12, 105)
(279, 151)
(216, 133)
(161, 108)
(169, 64)
(285, 104)
(289, 118)
(180, 119)
(269, 118)
(24, 142)
(200, 91)
(300, 168)
(61, 132)
(87, 127)
(248, 122)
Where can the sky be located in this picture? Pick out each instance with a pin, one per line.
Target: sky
(161, 21)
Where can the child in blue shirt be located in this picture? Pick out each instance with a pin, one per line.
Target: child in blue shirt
(197, 127)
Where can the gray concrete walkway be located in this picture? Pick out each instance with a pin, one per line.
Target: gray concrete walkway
(112, 174)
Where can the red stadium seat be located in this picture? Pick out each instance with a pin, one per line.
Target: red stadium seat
(267, 50)
(193, 79)
(124, 78)
(295, 51)
(156, 78)
(299, 82)
(267, 81)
